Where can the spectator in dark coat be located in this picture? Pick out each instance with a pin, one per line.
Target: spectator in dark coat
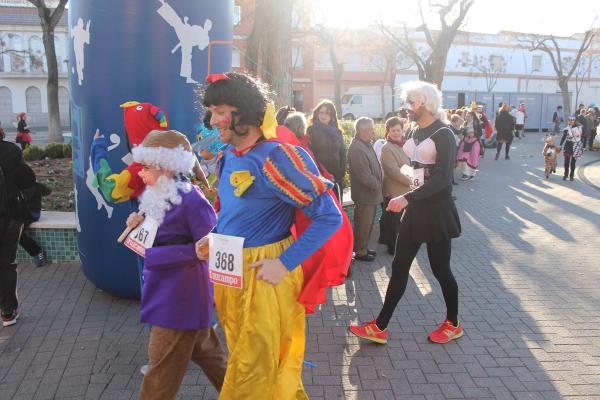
(11, 159)
(32, 196)
(366, 186)
(505, 125)
(327, 143)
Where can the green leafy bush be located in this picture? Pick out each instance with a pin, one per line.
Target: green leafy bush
(347, 128)
(32, 153)
(54, 150)
(67, 150)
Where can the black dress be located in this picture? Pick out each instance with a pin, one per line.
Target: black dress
(431, 214)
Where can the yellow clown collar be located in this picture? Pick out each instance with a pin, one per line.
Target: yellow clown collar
(269, 124)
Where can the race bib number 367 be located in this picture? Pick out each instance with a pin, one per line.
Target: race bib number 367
(142, 237)
(226, 260)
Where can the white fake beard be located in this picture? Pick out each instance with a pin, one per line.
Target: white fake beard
(159, 198)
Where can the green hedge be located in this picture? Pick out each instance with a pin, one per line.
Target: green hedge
(52, 150)
(33, 153)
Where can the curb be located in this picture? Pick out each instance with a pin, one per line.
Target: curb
(581, 174)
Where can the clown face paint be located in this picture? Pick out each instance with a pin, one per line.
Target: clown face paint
(411, 105)
(221, 117)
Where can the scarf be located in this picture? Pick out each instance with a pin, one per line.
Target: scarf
(330, 130)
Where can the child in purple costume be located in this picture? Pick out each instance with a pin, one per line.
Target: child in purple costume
(177, 296)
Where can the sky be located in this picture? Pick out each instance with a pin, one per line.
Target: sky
(558, 17)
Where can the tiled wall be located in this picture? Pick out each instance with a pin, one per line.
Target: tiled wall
(59, 244)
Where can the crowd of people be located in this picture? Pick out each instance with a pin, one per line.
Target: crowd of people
(276, 180)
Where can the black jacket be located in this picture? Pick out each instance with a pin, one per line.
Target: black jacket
(329, 149)
(11, 160)
(504, 124)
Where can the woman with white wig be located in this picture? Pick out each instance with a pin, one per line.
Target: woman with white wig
(429, 214)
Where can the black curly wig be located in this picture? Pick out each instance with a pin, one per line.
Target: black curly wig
(249, 95)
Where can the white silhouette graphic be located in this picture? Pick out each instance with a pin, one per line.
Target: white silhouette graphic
(78, 225)
(81, 37)
(93, 187)
(115, 140)
(189, 36)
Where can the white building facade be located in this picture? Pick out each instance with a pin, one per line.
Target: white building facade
(489, 68)
(23, 69)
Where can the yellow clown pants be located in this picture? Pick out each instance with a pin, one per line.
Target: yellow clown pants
(264, 326)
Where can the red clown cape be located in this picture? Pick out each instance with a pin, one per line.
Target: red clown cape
(329, 265)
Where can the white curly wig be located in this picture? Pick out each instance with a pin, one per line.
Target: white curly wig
(428, 94)
(166, 150)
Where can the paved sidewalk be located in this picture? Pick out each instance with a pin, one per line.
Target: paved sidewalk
(527, 266)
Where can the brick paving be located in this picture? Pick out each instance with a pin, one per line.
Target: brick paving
(528, 272)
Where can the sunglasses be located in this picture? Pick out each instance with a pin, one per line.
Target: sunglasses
(411, 105)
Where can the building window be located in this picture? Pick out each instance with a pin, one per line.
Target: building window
(6, 106)
(59, 45)
(297, 61)
(36, 50)
(298, 99)
(33, 100)
(568, 62)
(17, 60)
(496, 62)
(296, 17)
(464, 59)
(324, 60)
(3, 48)
(536, 63)
(237, 15)
(235, 58)
(354, 62)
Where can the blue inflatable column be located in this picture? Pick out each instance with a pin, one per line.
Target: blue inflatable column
(153, 51)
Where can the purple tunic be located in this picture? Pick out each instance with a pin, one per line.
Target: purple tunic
(177, 293)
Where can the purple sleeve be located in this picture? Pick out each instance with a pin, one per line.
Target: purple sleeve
(200, 215)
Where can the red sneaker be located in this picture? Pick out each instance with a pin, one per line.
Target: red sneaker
(446, 332)
(370, 331)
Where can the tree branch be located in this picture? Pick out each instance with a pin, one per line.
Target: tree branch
(57, 13)
(585, 44)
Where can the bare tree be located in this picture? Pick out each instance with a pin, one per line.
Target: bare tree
(431, 62)
(330, 38)
(269, 54)
(386, 56)
(563, 67)
(49, 19)
(580, 74)
(491, 68)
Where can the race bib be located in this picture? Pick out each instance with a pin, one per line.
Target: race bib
(416, 175)
(142, 237)
(226, 260)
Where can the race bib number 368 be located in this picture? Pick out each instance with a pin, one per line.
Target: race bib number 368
(226, 260)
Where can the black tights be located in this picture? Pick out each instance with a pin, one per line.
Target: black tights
(29, 244)
(499, 148)
(570, 161)
(439, 259)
